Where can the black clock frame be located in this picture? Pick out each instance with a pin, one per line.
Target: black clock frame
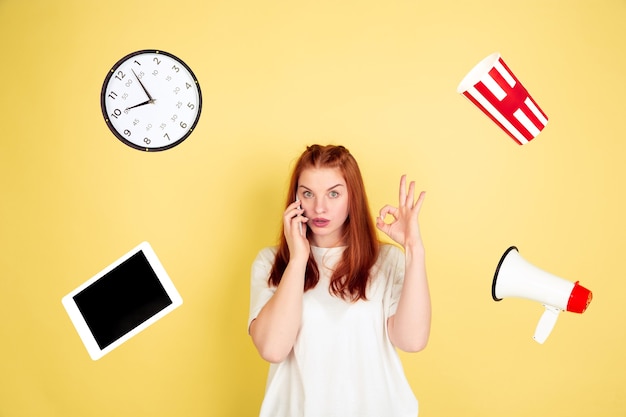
(106, 115)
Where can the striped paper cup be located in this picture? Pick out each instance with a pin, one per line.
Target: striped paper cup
(494, 89)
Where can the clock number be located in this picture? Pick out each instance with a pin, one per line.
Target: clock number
(146, 141)
(129, 82)
(127, 132)
(120, 74)
(175, 68)
(112, 95)
(155, 72)
(116, 113)
(155, 59)
(191, 106)
(166, 136)
(183, 125)
(188, 85)
(176, 90)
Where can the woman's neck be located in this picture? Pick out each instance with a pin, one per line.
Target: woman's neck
(330, 242)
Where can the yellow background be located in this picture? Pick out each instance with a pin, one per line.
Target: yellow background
(378, 77)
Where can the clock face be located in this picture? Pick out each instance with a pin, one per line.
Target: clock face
(151, 100)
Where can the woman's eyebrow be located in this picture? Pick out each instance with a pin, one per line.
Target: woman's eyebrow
(334, 186)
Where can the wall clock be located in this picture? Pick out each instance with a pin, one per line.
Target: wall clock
(151, 100)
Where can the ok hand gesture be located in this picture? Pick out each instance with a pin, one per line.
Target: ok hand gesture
(404, 228)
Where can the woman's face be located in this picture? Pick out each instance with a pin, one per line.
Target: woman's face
(324, 197)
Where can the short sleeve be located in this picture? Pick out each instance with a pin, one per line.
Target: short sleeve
(394, 265)
(260, 291)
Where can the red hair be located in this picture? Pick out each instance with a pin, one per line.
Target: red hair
(350, 278)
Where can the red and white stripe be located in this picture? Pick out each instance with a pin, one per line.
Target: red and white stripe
(501, 96)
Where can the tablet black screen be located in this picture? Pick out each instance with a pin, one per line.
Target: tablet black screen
(122, 299)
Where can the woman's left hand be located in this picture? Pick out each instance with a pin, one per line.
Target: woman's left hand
(404, 228)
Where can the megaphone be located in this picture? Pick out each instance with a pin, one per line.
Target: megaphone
(515, 277)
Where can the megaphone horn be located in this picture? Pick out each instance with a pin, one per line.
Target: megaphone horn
(515, 277)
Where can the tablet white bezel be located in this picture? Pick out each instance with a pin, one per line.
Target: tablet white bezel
(79, 321)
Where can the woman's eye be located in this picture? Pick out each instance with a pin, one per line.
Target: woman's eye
(307, 194)
(334, 194)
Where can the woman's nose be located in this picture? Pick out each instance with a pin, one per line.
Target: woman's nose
(320, 205)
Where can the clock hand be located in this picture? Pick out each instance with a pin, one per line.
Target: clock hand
(142, 86)
(142, 104)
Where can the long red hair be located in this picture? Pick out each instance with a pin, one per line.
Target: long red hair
(350, 278)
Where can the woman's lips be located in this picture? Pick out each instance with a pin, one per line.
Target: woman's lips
(320, 222)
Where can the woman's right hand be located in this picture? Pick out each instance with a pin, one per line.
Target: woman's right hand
(294, 224)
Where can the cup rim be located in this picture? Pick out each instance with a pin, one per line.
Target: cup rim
(477, 73)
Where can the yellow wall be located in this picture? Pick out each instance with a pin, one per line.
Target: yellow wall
(378, 77)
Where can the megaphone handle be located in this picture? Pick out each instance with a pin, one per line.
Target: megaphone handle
(546, 323)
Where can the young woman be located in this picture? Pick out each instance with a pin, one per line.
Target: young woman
(330, 304)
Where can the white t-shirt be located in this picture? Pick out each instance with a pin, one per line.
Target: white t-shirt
(342, 363)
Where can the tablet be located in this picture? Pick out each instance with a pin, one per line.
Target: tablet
(121, 300)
